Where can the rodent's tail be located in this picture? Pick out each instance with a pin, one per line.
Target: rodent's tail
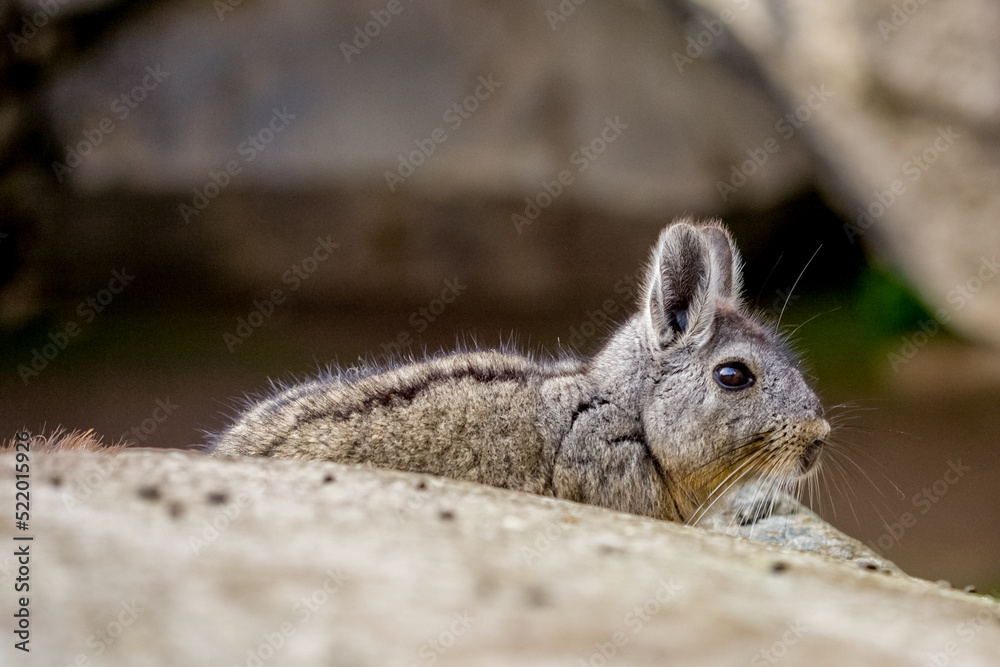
(60, 440)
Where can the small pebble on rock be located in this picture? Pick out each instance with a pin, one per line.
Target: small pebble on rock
(217, 497)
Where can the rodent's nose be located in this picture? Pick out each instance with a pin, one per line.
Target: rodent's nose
(818, 430)
(823, 430)
(815, 430)
(810, 456)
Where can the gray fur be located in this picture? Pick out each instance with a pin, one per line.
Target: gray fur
(641, 427)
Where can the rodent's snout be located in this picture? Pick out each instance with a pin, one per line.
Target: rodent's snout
(810, 456)
(823, 429)
(811, 452)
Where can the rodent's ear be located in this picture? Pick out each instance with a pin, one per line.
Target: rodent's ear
(727, 266)
(679, 304)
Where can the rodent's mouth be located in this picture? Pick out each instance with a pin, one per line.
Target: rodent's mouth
(810, 457)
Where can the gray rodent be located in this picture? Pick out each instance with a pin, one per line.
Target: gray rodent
(686, 398)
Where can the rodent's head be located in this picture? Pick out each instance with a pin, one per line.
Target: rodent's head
(724, 401)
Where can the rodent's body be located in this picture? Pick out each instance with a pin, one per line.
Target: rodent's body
(645, 426)
(489, 417)
(467, 416)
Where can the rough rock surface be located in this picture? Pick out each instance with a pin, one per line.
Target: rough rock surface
(789, 524)
(152, 558)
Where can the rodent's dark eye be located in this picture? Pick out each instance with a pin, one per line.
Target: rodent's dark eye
(733, 375)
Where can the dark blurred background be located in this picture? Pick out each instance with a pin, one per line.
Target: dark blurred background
(198, 196)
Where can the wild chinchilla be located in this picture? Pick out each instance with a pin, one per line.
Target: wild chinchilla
(685, 399)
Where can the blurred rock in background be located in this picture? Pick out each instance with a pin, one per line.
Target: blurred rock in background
(211, 148)
(210, 144)
(909, 146)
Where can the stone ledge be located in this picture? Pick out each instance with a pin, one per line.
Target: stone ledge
(336, 565)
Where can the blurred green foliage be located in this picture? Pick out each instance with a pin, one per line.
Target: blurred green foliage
(851, 333)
